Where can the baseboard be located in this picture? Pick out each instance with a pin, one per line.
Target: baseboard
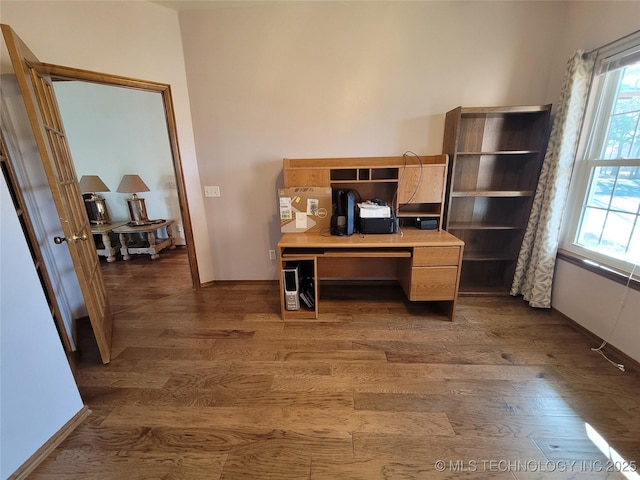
(45, 450)
(612, 352)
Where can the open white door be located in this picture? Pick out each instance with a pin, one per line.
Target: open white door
(44, 118)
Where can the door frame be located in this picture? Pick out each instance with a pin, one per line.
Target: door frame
(62, 73)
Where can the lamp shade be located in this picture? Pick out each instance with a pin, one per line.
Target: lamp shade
(132, 184)
(92, 183)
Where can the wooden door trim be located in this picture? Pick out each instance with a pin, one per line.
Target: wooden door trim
(62, 73)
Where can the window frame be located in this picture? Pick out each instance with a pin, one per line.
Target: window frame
(609, 60)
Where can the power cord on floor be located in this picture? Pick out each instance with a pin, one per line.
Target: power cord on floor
(619, 366)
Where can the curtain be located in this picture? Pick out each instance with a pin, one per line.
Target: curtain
(536, 261)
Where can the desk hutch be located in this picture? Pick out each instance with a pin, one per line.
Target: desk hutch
(426, 263)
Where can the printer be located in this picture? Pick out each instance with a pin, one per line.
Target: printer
(375, 216)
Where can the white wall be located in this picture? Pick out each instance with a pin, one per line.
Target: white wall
(130, 38)
(589, 299)
(603, 307)
(115, 131)
(38, 394)
(314, 79)
(592, 24)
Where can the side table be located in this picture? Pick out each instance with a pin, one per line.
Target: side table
(108, 249)
(152, 242)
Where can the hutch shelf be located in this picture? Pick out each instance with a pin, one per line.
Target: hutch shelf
(415, 186)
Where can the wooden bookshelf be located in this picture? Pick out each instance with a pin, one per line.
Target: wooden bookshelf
(495, 157)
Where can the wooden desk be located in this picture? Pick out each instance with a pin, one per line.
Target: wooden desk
(426, 263)
(151, 242)
(108, 249)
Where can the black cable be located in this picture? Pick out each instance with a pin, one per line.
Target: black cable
(415, 190)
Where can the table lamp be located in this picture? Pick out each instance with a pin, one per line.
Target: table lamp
(96, 206)
(137, 210)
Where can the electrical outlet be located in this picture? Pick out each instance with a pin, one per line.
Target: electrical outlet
(212, 191)
(272, 254)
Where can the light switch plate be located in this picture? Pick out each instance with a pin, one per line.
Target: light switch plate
(212, 191)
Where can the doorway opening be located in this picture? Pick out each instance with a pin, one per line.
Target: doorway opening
(114, 131)
(60, 73)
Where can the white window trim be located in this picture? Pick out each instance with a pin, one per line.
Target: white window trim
(581, 179)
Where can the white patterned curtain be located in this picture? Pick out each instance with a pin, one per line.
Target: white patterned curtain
(536, 262)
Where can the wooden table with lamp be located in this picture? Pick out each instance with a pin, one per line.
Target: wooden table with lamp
(141, 235)
(145, 239)
(105, 246)
(98, 214)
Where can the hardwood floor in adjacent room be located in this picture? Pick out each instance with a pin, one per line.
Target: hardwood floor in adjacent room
(140, 280)
(214, 385)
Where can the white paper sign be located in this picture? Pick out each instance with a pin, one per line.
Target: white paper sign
(285, 208)
(301, 220)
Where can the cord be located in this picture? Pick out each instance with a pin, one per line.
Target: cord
(619, 366)
(415, 190)
(404, 167)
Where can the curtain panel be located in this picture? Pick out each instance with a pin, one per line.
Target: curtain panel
(536, 262)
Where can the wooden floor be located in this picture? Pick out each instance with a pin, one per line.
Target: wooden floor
(214, 385)
(140, 280)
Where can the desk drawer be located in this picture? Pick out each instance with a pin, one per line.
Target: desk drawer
(435, 256)
(433, 283)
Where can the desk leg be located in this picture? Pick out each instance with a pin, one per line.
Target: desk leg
(123, 246)
(151, 237)
(106, 241)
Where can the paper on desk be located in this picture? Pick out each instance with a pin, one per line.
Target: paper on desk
(285, 208)
(372, 210)
(301, 220)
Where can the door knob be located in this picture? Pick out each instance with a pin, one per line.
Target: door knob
(72, 239)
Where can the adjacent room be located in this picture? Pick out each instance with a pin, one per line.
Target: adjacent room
(364, 239)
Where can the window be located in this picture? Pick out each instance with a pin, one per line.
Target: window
(605, 215)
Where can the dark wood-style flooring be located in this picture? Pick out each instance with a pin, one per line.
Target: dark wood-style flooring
(214, 385)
